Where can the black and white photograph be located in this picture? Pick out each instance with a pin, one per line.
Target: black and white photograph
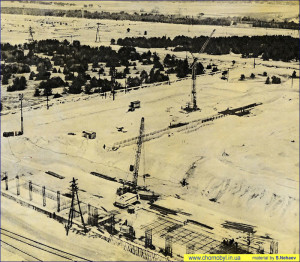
(147, 130)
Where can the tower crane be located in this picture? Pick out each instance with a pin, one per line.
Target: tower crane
(138, 154)
(131, 187)
(193, 66)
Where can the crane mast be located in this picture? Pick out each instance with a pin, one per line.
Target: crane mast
(194, 66)
(138, 154)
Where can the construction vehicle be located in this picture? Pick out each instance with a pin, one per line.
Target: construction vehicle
(126, 200)
(134, 105)
(190, 107)
(131, 186)
(127, 231)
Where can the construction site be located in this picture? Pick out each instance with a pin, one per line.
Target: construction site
(202, 164)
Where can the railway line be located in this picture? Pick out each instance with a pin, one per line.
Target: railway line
(35, 249)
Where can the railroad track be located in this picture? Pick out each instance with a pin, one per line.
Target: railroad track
(36, 249)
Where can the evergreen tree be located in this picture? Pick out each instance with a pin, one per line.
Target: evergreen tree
(37, 92)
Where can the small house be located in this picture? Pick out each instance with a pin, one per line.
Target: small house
(89, 134)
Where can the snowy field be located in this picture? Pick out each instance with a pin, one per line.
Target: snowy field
(241, 169)
(281, 10)
(14, 29)
(256, 182)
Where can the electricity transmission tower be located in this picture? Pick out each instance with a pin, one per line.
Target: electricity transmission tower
(30, 34)
(98, 33)
(74, 191)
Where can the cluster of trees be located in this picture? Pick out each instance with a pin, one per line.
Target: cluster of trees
(8, 70)
(180, 67)
(49, 84)
(275, 80)
(283, 48)
(19, 83)
(151, 17)
(103, 85)
(15, 54)
(20, 64)
(154, 76)
(75, 57)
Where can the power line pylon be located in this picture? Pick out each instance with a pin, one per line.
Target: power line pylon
(30, 34)
(98, 33)
(74, 191)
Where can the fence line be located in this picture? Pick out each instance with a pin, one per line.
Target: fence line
(137, 250)
(158, 133)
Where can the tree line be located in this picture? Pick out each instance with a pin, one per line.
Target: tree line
(153, 17)
(284, 48)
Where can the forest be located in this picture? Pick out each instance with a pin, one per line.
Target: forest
(72, 60)
(283, 48)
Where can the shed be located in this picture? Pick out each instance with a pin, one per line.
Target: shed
(135, 104)
(89, 134)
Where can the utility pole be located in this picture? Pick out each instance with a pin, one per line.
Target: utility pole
(18, 185)
(21, 99)
(47, 101)
(74, 191)
(44, 195)
(228, 75)
(6, 180)
(30, 190)
(58, 201)
(194, 93)
(113, 80)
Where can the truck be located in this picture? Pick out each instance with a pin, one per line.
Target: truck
(134, 105)
(126, 200)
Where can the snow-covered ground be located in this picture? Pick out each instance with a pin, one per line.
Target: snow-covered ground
(256, 182)
(14, 29)
(243, 169)
(257, 9)
(39, 227)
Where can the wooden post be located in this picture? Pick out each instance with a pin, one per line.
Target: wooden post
(44, 195)
(89, 215)
(148, 238)
(95, 217)
(58, 201)
(6, 180)
(30, 190)
(18, 185)
(168, 246)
